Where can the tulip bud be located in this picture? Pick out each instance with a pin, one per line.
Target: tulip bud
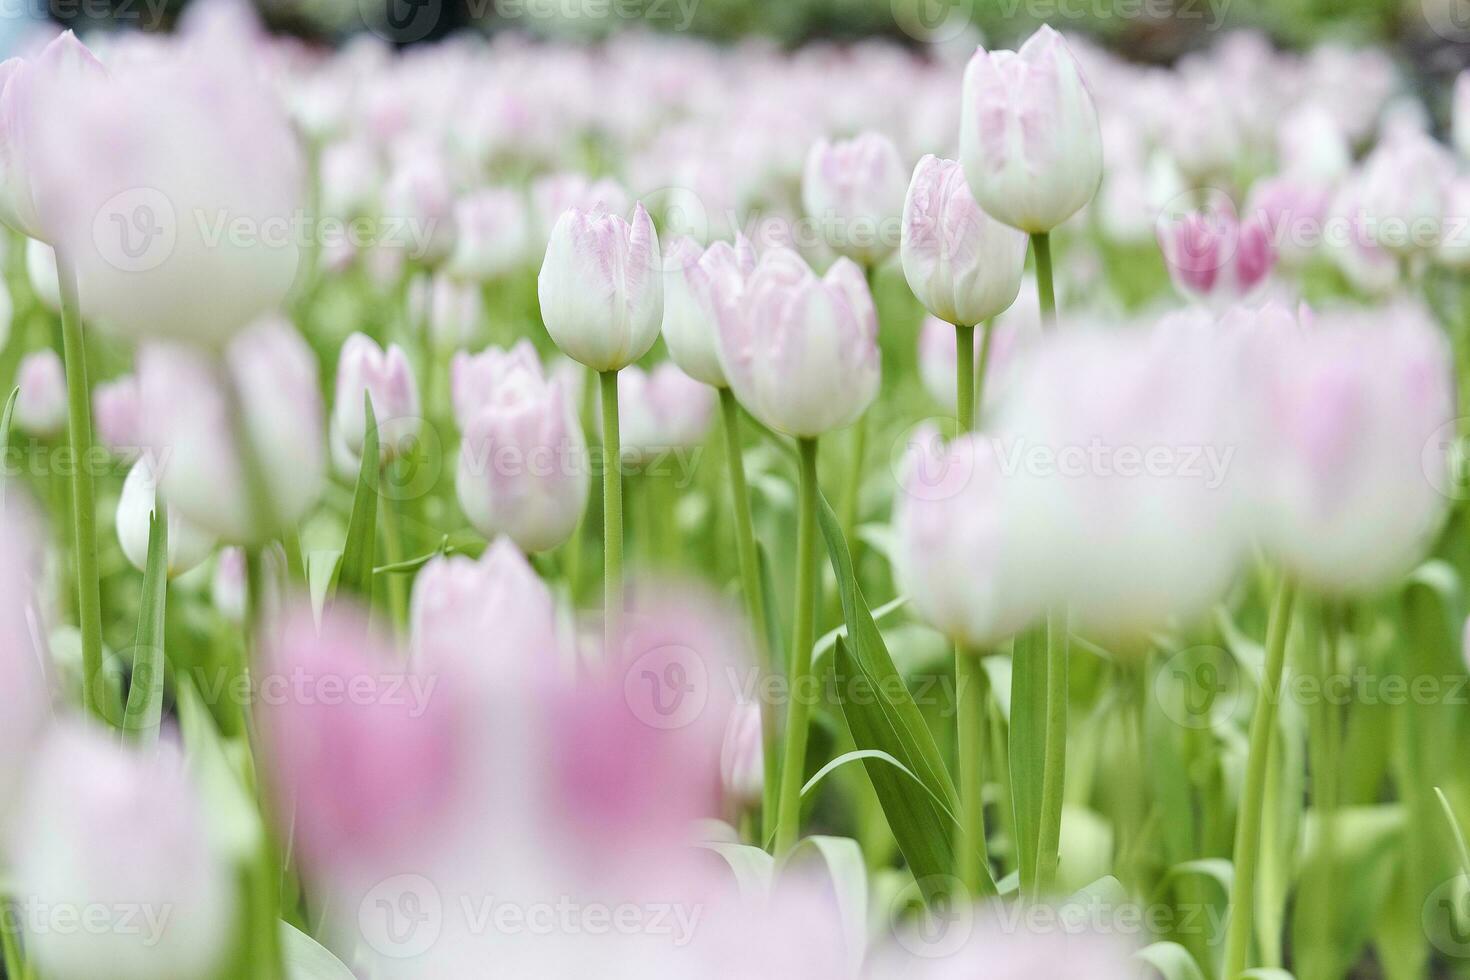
(450, 308)
(742, 759)
(964, 266)
(40, 408)
(187, 545)
(601, 287)
(174, 187)
(662, 410)
(1403, 192)
(1029, 136)
(523, 463)
(186, 420)
(1313, 146)
(1349, 464)
(853, 189)
(166, 912)
(419, 196)
(492, 234)
(117, 416)
(349, 178)
(801, 353)
(689, 298)
(1354, 245)
(1294, 211)
(365, 757)
(386, 378)
(1212, 256)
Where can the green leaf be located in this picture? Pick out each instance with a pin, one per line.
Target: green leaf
(1172, 960)
(1028, 743)
(233, 820)
(843, 861)
(145, 695)
(356, 569)
(5, 418)
(858, 755)
(307, 959)
(1459, 835)
(753, 868)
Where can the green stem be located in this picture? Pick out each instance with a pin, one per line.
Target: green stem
(750, 584)
(393, 551)
(1248, 827)
(987, 333)
(970, 693)
(1054, 765)
(83, 502)
(851, 497)
(964, 376)
(612, 514)
(800, 655)
(1045, 290)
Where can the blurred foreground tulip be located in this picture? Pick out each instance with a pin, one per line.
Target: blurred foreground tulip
(1215, 257)
(853, 190)
(692, 284)
(40, 408)
(386, 378)
(187, 545)
(664, 410)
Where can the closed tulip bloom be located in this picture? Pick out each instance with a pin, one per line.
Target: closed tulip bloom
(1353, 244)
(387, 379)
(450, 308)
(419, 196)
(107, 827)
(492, 234)
(117, 416)
(801, 353)
(853, 189)
(187, 545)
(523, 464)
(601, 287)
(1403, 192)
(367, 778)
(22, 82)
(1349, 455)
(40, 408)
(175, 188)
(964, 266)
(186, 422)
(1294, 211)
(662, 410)
(955, 555)
(742, 763)
(1215, 257)
(350, 178)
(690, 286)
(1029, 136)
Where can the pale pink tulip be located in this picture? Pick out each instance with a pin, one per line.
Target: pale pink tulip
(853, 190)
(386, 378)
(662, 410)
(40, 408)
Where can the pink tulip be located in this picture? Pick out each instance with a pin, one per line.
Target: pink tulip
(523, 463)
(40, 408)
(418, 198)
(601, 288)
(555, 194)
(690, 288)
(186, 422)
(1214, 256)
(1294, 211)
(350, 178)
(117, 416)
(662, 410)
(1029, 136)
(386, 378)
(853, 190)
(742, 762)
(1353, 243)
(1403, 192)
(365, 758)
(227, 587)
(962, 265)
(801, 353)
(107, 827)
(493, 234)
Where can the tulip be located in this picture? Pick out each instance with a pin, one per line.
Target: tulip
(1354, 245)
(523, 462)
(801, 353)
(364, 757)
(1403, 192)
(386, 378)
(187, 546)
(458, 602)
(854, 190)
(963, 266)
(1348, 465)
(1213, 256)
(689, 301)
(1294, 211)
(419, 197)
(555, 194)
(742, 765)
(169, 907)
(40, 408)
(1460, 115)
(117, 415)
(663, 410)
(227, 587)
(173, 188)
(41, 274)
(1312, 145)
(350, 178)
(600, 287)
(493, 234)
(1029, 136)
(450, 309)
(186, 422)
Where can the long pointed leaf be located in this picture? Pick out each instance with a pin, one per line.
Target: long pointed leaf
(145, 696)
(1028, 744)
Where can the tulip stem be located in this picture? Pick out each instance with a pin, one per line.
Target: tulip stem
(1054, 764)
(798, 706)
(964, 376)
(83, 502)
(1045, 290)
(750, 583)
(612, 514)
(1248, 825)
(970, 693)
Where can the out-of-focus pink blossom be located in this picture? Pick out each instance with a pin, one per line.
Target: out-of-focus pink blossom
(1214, 256)
(662, 410)
(693, 280)
(386, 378)
(854, 190)
(188, 546)
(40, 408)
(492, 234)
(117, 415)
